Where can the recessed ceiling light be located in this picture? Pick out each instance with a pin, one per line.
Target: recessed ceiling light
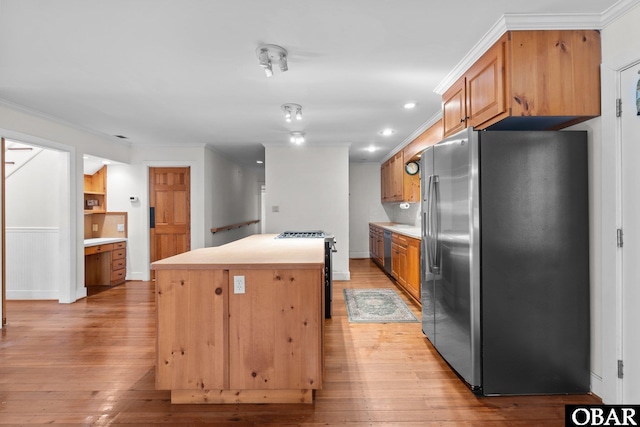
(371, 148)
(259, 162)
(410, 105)
(387, 132)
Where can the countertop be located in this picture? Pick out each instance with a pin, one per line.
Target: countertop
(407, 230)
(103, 241)
(259, 251)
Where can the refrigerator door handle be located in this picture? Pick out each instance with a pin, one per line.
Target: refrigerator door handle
(434, 225)
(427, 222)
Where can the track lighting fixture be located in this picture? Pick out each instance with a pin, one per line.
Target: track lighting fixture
(296, 138)
(269, 53)
(289, 109)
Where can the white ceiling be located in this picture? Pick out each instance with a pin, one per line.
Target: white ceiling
(173, 72)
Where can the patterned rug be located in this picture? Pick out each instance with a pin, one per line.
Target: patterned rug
(376, 306)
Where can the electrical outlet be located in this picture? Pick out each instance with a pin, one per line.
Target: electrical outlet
(275, 208)
(238, 284)
(120, 227)
(94, 227)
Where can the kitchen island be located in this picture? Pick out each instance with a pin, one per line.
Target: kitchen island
(241, 322)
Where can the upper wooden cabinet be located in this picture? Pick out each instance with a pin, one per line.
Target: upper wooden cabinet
(95, 192)
(396, 184)
(429, 137)
(528, 80)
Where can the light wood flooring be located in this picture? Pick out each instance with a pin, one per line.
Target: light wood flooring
(91, 363)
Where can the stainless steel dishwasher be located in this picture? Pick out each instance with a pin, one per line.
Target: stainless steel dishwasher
(387, 251)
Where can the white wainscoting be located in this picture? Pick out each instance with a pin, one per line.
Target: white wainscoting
(33, 263)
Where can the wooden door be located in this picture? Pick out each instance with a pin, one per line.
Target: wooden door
(170, 203)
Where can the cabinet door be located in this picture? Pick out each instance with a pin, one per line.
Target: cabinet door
(275, 330)
(395, 260)
(412, 277)
(453, 108)
(384, 182)
(192, 336)
(486, 86)
(397, 166)
(402, 266)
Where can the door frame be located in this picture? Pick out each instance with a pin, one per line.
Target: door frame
(609, 386)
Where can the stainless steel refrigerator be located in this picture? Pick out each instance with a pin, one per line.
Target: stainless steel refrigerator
(505, 259)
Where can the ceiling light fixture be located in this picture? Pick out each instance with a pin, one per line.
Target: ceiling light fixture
(268, 54)
(296, 138)
(289, 109)
(410, 105)
(386, 132)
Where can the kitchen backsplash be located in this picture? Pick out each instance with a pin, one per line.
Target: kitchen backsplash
(409, 216)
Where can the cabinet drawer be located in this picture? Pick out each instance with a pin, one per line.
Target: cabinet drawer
(117, 276)
(97, 249)
(119, 253)
(120, 245)
(119, 264)
(399, 239)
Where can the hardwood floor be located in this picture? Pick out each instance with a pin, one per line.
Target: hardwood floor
(91, 363)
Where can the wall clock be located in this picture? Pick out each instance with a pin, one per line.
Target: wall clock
(412, 168)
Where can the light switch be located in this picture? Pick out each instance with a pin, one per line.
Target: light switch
(275, 208)
(238, 284)
(94, 227)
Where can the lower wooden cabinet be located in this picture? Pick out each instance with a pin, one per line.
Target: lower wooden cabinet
(105, 265)
(376, 244)
(405, 259)
(219, 345)
(405, 263)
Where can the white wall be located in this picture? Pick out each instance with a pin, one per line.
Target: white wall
(33, 192)
(364, 206)
(310, 187)
(232, 197)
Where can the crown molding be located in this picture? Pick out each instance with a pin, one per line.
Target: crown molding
(423, 127)
(59, 121)
(617, 10)
(546, 21)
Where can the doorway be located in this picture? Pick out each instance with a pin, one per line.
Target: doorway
(170, 212)
(630, 253)
(36, 223)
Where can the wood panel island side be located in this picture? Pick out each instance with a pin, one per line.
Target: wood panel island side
(257, 343)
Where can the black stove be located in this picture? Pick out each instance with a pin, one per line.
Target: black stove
(329, 248)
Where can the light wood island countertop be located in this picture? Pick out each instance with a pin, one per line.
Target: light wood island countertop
(254, 252)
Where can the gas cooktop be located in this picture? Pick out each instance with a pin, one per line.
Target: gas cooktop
(301, 234)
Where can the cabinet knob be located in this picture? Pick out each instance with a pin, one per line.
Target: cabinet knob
(462, 120)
